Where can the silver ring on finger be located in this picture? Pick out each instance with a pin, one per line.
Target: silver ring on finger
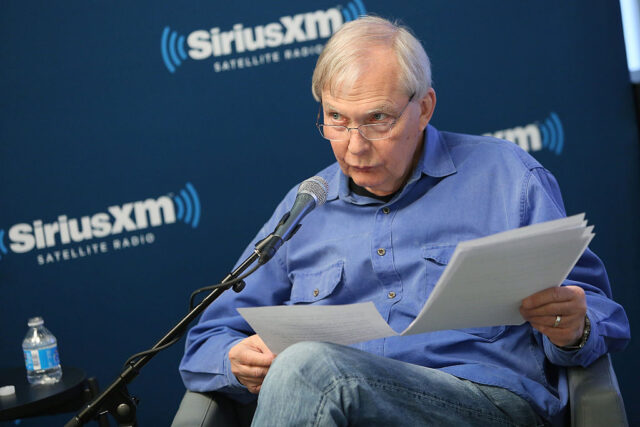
(558, 320)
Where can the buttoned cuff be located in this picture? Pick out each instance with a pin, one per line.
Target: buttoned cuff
(231, 378)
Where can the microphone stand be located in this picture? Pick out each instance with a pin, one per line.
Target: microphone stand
(116, 399)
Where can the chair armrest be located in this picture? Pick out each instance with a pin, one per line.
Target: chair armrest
(594, 395)
(212, 409)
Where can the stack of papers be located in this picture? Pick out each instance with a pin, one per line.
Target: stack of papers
(483, 285)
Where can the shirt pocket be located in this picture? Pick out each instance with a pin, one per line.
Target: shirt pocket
(316, 285)
(437, 258)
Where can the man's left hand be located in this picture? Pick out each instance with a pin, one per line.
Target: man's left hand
(566, 303)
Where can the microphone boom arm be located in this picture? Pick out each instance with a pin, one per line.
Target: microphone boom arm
(116, 399)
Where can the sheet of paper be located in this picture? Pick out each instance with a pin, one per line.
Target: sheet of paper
(575, 221)
(483, 285)
(281, 326)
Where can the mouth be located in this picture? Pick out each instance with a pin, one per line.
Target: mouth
(362, 168)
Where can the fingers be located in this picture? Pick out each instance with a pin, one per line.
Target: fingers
(254, 389)
(251, 357)
(562, 300)
(250, 361)
(568, 331)
(548, 323)
(551, 310)
(257, 343)
(568, 302)
(552, 295)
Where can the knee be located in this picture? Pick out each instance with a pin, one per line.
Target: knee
(297, 380)
(306, 351)
(302, 355)
(305, 360)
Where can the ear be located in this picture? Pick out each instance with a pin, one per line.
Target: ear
(427, 106)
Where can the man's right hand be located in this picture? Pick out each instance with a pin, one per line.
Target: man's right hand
(250, 362)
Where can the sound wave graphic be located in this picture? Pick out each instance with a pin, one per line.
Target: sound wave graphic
(188, 205)
(3, 248)
(552, 133)
(536, 136)
(353, 10)
(172, 48)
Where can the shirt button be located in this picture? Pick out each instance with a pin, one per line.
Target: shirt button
(386, 210)
(391, 295)
(381, 252)
(315, 292)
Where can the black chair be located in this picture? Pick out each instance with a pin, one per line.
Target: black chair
(212, 409)
(594, 399)
(594, 395)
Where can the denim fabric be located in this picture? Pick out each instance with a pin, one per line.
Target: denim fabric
(321, 384)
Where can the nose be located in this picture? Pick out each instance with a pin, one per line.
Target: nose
(357, 143)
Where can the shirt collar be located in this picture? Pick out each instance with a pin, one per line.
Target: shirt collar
(435, 161)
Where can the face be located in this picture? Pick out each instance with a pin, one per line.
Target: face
(381, 166)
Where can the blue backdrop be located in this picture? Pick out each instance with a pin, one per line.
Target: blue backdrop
(142, 145)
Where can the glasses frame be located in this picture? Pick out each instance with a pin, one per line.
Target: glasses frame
(391, 124)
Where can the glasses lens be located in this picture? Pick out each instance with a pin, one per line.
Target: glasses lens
(375, 131)
(334, 133)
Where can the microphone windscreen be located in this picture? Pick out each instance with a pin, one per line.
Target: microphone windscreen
(316, 187)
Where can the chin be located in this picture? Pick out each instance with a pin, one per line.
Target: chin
(370, 185)
(369, 179)
(363, 181)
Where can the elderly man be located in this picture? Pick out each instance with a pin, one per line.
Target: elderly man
(402, 195)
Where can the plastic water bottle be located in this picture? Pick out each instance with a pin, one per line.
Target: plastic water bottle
(41, 357)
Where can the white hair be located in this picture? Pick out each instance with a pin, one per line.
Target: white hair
(345, 54)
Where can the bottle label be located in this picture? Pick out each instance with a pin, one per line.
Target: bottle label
(45, 358)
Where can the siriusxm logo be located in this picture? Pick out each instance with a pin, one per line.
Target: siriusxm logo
(3, 248)
(126, 218)
(303, 27)
(548, 135)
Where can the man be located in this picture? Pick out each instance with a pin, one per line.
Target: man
(401, 196)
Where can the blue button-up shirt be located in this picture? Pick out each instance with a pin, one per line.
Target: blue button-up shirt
(355, 248)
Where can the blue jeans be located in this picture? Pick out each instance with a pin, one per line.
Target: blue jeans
(320, 384)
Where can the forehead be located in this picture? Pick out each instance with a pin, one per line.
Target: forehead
(371, 83)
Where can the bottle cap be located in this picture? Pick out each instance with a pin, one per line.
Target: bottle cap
(7, 390)
(35, 321)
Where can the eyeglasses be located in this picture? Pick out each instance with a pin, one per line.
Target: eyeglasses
(372, 131)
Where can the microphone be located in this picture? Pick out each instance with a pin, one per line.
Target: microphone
(311, 194)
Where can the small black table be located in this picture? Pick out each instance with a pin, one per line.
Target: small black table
(68, 395)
